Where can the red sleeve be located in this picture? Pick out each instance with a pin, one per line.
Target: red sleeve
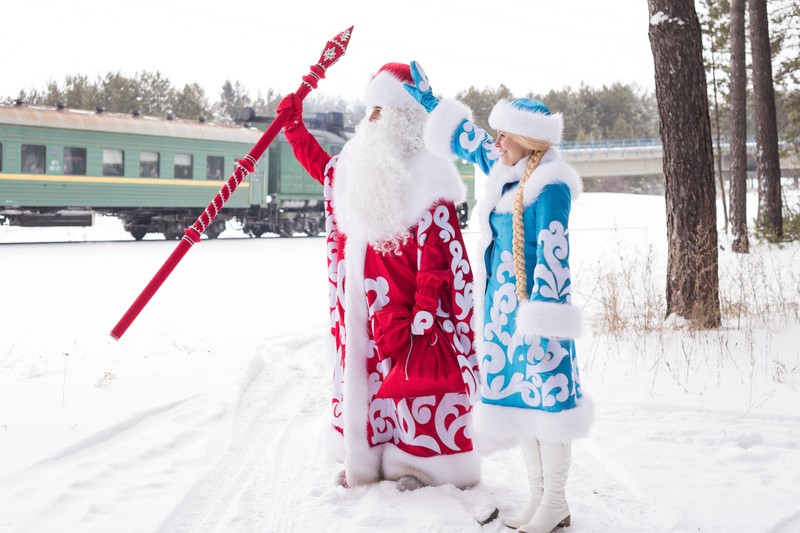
(308, 151)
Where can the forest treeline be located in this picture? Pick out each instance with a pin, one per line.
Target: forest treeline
(621, 110)
(608, 112)
(617, 111)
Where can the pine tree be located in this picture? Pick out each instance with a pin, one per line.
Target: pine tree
(692, 277)
(738, 129)
(770, 219)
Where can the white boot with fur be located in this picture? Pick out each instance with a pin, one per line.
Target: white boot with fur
(553, 510)
(533, 463)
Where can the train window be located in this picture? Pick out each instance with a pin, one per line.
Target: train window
(183, 166)
(149, 164)
(33, 156)
(113, 162)
(74, 161)
(215, 165)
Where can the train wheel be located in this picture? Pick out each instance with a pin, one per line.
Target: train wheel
(138, 233)
(312, 229)
(214, 230)
(287, 229)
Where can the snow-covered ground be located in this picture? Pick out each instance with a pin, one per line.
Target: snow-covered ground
(206, 416)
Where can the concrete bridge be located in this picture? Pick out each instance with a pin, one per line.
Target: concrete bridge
(643, 157)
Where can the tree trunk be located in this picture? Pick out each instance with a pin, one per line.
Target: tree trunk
(692, 277)
(770, 218)
(738, 98)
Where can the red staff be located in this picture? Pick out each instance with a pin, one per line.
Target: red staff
(334, 49)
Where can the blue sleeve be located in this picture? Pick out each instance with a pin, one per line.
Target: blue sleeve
(548, 228)
(472, 143)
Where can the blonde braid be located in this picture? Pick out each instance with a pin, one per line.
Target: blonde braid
(518, 245)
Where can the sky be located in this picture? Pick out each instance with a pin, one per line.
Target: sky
(527, 45)
(206, 416)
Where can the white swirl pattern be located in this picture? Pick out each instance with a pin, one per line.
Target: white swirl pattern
(552, 278)
(526, 366)
(395, 420)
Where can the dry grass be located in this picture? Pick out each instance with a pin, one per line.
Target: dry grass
(759, 299)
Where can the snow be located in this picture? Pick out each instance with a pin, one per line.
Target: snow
(206, 416)
(661, 17)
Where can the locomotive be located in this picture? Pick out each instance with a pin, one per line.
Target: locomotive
(60, 167)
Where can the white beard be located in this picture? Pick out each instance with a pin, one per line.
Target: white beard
(378, 182)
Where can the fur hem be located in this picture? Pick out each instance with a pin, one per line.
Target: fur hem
(363, 468)
(333, 442)
(442, 124)
(461, 469)
(549, 319)
(500, 427)
(386, 90)
(362, 462)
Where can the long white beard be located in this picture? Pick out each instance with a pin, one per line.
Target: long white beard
(375, 165)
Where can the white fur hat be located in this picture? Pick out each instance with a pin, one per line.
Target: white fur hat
(529, 118)
(385, 89)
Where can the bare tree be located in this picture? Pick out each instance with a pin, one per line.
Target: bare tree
(692, 277)
(738, 141)
(715, 26)
(770, 218)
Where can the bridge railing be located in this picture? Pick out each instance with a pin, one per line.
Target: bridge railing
(640, 143)
(607, 144)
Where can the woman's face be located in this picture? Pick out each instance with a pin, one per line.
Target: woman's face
(510, 150)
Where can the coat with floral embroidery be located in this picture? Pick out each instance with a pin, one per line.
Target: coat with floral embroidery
(530, 385)
(404, 370)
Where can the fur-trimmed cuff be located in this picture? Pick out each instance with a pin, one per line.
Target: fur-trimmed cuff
(442, 124)
(461, 469)
(548, 319)
(499, 427)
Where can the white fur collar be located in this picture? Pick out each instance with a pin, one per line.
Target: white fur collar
(432, 179)
(552, 169)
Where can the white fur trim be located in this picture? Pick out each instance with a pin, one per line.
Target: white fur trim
(499, 427)
(332, 442)
(509, 118)
(442, 123)
(432, 179)
(362, 461)
(552, 169)
(549, 319)
(386, 90)
(461, 469)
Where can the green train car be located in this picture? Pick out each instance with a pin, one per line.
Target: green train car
(60, 167)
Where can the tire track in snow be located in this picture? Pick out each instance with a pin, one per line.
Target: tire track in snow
(720, 471)
(125, 460)
(610, 500)
(267, 441)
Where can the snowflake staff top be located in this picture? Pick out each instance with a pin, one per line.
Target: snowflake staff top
(334, 49)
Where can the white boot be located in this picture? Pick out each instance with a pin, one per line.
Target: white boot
(553, 510)
(533, 463)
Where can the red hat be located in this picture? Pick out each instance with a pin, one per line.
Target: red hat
(385, 89)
